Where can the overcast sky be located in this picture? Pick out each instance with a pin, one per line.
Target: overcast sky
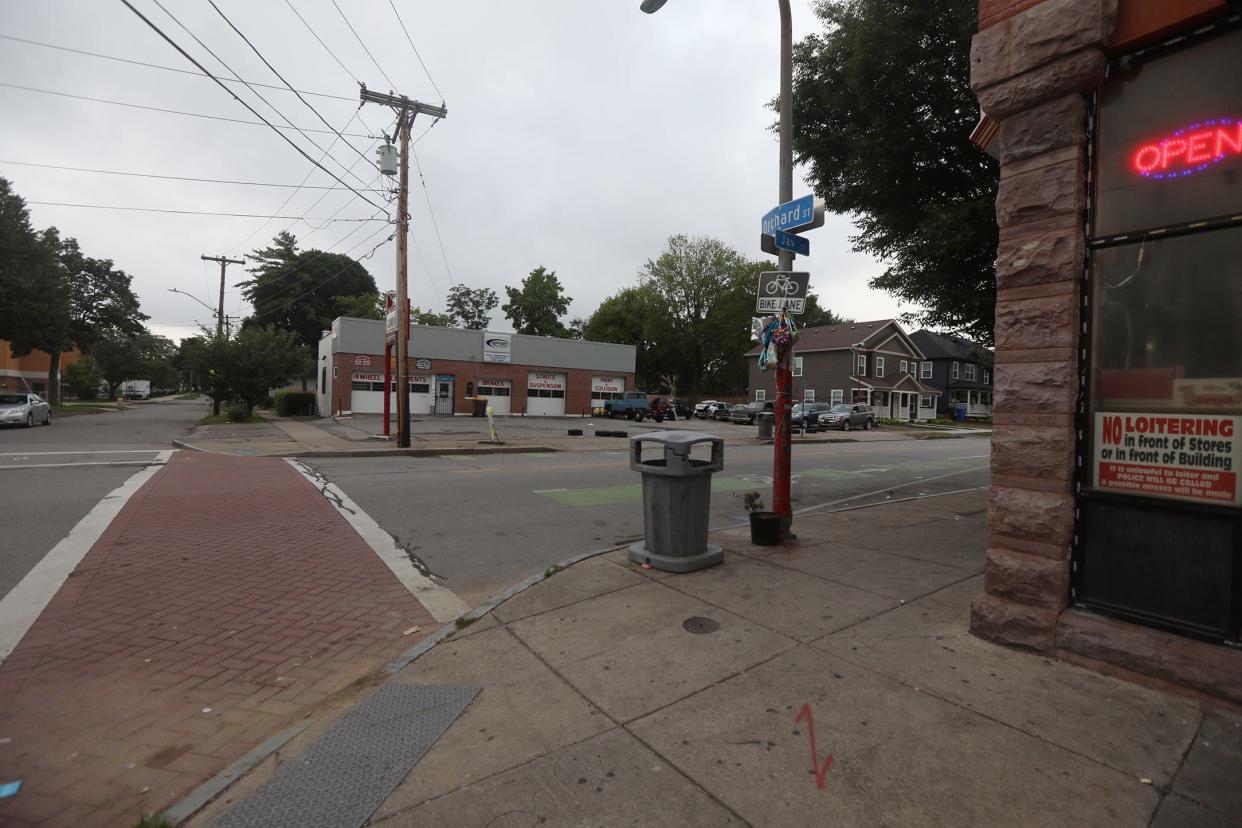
(580, 135)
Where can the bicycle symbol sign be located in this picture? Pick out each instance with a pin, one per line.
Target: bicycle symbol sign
(779, 290)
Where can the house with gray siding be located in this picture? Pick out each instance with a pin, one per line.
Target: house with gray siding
(869, 362)
(959, 369)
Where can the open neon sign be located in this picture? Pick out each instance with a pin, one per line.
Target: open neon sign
(1189, 150)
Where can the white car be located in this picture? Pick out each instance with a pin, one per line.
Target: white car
(22, 408)
(707, 409)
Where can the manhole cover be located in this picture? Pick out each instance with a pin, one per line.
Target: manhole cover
(699, 625)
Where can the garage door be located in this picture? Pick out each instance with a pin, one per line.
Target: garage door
(367, 394)
(498, 392)
(606, 388)
(545, 394)
(421, 399)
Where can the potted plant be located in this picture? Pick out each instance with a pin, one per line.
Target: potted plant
(765, 527)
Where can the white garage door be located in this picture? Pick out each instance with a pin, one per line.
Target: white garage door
(367, 395)
(606, 388)
(421, 398)
(545, 394)
(498, 392)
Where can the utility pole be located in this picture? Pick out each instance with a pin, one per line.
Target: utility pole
(407, 110)
(782, 464)
(224, 263)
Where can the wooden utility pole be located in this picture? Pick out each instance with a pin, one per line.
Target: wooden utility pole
(224, 263)
(407, 110)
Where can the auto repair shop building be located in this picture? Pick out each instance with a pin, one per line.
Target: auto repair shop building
(452, 367)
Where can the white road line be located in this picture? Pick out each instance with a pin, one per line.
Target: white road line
(83, 451)
(20, 608)
(546, 491)
(923, 482)
(76, 465)
(441, 602)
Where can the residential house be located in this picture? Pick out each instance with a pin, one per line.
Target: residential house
(960, 369)
(869, 362)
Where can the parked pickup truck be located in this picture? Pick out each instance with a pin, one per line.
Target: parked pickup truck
(633, 405)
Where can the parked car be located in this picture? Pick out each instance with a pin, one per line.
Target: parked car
(741, 414)
(24, 408)
(661, 410)
(705, 410)
(808, 412)
(755, 408)
(682, 408)
(848, 415)
(721, 412)
(633, 405)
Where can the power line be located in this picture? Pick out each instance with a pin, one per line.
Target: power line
(190, 212)
(166, 110)
(286, 138)
(391, 85)
(181, 177)
(431, 210)
(286, 83)
(258, 95)
(315, 34)
(415, 48)
(165, 68)
(353, 262)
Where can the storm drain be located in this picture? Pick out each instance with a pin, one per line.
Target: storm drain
(341, 779)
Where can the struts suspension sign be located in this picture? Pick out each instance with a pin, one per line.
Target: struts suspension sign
(1175, 456)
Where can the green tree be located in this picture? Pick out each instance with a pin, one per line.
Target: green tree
(900, 161)
(418, 316)
(635, 316)
(705, 290)
(189, 360)
(302, 292)
(245, 368)
(362, 306)
(471, 307)
(119, 358)
(84, 378)
(537, 307)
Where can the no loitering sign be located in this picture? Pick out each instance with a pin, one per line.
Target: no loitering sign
(1175, 456)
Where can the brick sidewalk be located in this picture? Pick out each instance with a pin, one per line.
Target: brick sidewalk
(225, 601)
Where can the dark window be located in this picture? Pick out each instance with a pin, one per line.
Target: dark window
(1168, 148)
(493, 390)
(469, 389)
(362, 386)
(419, 388)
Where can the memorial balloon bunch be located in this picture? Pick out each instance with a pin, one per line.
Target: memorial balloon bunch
(777, 336)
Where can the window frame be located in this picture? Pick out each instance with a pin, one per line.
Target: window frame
(879, 367)
(797, 366)
(956, 369)
(860, 365)
(970, 372)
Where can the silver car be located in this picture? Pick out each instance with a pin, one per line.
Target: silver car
(848, 415)
(23, 408)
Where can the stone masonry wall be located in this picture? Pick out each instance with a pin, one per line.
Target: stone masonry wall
(1031, 71)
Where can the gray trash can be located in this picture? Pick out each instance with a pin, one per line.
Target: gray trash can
(677, 491)
(767, 425)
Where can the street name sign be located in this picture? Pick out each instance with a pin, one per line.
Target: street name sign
(795, 244)
(782, 290)
(798, 215)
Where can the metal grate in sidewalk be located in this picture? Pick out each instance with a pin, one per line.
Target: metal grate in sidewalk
(342, 778)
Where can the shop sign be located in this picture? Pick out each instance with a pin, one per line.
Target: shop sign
(546, 382)
(362, 361)
(420, 379)
(1174, 456)
(497, 347)
(361, 377)
(1189, 150)
(494, 383)
(422, 364)
(1209, 393)
(607, 385)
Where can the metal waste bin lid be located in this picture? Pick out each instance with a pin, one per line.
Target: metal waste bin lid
(677, 461)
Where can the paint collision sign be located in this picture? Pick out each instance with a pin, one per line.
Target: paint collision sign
(1174, 456)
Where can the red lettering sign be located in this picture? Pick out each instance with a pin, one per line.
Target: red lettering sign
(1189, 150)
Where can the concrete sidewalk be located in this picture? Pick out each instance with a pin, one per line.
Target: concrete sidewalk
(227, 602)
(831, 681)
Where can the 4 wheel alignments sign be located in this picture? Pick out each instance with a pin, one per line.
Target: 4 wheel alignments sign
(782, 294)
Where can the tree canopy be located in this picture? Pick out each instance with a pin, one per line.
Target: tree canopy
(245, 367)
(302, 292)
(882, 115)
(537, 307)
(634, 316)
(471, 307)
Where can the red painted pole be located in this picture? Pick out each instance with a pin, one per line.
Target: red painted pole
(782, 463)
(387, 386)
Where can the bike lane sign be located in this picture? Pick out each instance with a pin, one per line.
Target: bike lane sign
(782, 290)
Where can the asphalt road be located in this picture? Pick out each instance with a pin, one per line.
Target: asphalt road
(483, 523)
(51, 476)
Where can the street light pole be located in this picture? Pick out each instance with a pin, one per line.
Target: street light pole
(783, 456)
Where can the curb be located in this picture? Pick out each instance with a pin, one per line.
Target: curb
(182, 444)
(383, 452)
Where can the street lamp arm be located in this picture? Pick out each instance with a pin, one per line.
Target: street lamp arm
(196, 299)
